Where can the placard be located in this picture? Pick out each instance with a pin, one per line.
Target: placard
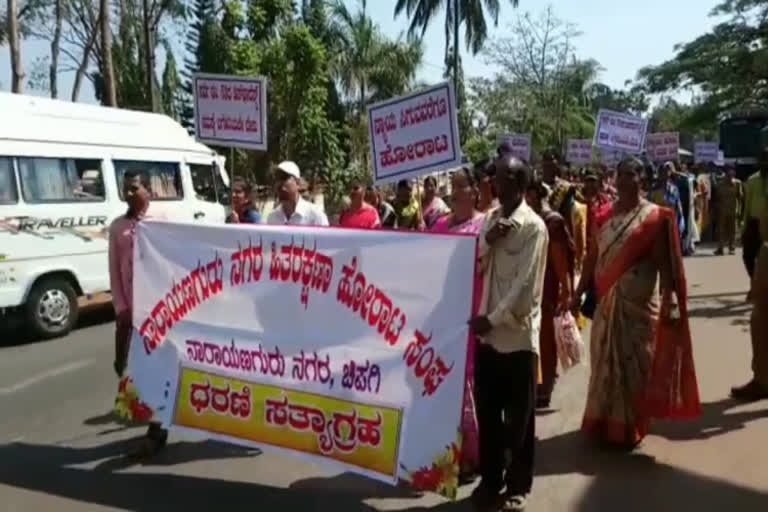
(662, 147)
(231, 110)
(579, 151)
(520, 144)
(414, 134)
(622, 132)
(705, 152)
(308, 341)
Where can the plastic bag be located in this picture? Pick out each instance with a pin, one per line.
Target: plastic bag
(570, 347)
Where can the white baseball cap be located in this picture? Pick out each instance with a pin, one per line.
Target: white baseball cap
(290, 168)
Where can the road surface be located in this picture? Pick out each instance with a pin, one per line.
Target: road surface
(60, 451)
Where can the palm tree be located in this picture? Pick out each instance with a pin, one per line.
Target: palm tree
(470, 12)
(368, 65)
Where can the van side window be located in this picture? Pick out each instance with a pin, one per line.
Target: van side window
(60, 180)
(8, 193)
(204, 181)
(164, 177)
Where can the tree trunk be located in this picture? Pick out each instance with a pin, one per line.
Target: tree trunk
(14, 43)
(54, 73)
(456, 51)
(84, 60)
(148, 58)
(110, 93)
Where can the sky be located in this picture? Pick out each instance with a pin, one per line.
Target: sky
(622, 35)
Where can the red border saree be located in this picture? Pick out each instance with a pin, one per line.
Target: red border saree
(642, 362)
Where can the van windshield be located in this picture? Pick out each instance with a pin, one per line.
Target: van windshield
(8, 193)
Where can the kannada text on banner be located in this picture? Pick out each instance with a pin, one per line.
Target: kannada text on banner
(414, 134)
(621, 132)
(308, 340)
(357, 434)
(231, 111)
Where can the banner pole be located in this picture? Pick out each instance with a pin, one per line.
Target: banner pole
(232, 176)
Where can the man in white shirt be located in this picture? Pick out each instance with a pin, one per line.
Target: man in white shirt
(293, 209)
(513, 256)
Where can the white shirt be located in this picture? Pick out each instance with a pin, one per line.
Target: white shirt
(305, 214)
(513, 275)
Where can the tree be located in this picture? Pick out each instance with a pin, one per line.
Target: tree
(633, 100)
(471, 13)
(201, 15)
(58, 14)
(109, 97)
(368, 65)
(728, 65)
(170, 93)
(14, 42)
(542, 87)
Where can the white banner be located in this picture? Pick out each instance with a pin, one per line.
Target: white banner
(622, 132)
(414, 135)
(662, 147)
(313, 341)
(231, 110)
(579, 151)
(520, 144)
(705, 152)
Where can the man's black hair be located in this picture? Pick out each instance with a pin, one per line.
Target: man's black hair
(143, 176)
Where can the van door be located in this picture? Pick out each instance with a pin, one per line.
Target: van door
(166, 186)
(211, 201)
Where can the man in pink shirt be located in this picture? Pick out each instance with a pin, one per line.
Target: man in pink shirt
(360, 214)
(122, 233)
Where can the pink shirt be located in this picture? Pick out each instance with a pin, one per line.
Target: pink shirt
(122, 233)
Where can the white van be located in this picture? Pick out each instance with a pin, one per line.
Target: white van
(61, 167)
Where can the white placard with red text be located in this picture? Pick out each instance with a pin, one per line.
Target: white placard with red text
(662, 147)
(579, 151)
(520, 144)
(231, 110)
(316, 342)
(619, 131)
(414, 134)
(705, 152)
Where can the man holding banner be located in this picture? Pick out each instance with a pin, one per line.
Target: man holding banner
(513, 253)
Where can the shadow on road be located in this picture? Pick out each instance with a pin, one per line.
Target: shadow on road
(636, 482)
(52, 470)
(621, 482)
(718, 307)
(714, 421)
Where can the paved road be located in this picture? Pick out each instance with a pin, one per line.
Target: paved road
(59, 450)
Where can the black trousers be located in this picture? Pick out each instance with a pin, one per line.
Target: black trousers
(751, 243)
(505, 389)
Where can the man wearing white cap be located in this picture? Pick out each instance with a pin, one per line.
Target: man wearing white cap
(293, 209)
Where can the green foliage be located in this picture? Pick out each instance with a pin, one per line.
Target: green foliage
(478, 147)
(728, 65)
(171, 87)
(472, 15)
(542, 88)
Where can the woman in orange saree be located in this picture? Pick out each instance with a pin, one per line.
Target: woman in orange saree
(640, 347)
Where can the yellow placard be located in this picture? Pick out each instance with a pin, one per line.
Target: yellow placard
(363, 435)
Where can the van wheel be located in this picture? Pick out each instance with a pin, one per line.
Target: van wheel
(52, 308)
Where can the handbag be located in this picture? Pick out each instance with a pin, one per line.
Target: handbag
(570, 347)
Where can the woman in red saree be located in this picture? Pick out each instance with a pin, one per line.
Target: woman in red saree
(640, 347)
